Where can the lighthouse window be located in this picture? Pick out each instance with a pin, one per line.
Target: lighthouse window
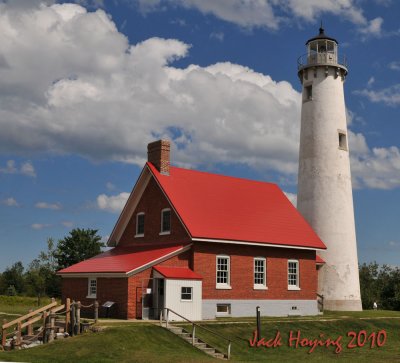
(308, 93)
(342, 141)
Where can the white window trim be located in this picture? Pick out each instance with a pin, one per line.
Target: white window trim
(137, 224)
(90, 295)
(191, 294)
(264, 285)
(223, 286)
(297, 286)
(163, 233)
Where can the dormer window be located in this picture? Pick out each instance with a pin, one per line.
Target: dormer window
(139, 225)
(166, 221)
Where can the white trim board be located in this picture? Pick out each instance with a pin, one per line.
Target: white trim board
(260, 244)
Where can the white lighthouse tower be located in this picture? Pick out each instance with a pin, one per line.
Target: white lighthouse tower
(325, 196)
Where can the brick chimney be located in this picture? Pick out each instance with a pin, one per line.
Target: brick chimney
(158, 153)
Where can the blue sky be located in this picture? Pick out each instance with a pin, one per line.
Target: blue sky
(86, 85)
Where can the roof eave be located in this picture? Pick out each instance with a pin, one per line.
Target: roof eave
(262, 244)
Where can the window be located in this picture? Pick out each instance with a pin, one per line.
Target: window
(223, 271)
(223, 309)
(307, 93)
(186, 293)
(165, 221)
(260, 281)
(342, 140)
(139, 225)
(92, 288)
(293, 275)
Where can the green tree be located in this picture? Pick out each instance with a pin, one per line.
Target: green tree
(369, 284)
(41, 276)
(2, 285)
(14, 275)
(80, 245)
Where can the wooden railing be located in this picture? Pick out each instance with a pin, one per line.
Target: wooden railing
(47, 314)
(165, 313)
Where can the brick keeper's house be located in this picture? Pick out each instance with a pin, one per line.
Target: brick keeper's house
(203, 245)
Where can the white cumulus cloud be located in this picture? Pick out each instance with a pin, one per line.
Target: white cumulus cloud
(112, 203)
(89, 92)
(12, 168)
(10, 202)
(389, 95)
(271, 14)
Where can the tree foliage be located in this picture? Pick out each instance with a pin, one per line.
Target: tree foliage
(380, 284)
(14, 276)
(80, 245)
(40, 279)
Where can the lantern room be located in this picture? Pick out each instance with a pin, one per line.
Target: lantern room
(322, 49)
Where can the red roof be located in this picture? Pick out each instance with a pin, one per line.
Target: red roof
(178, 273)
(124, 259)
(213, 206)
(319, 260)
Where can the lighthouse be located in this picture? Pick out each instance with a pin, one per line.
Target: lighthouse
(325, 196)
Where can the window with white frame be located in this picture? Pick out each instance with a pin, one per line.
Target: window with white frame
(166, 221)
(186, 293)
(139, 224)
(293, 275)
(223, 271)
(260, 276)
(92, 287)
(223, 309)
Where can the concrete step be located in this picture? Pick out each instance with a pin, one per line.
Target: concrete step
(199, 344)
(196, 340)
(208, 350)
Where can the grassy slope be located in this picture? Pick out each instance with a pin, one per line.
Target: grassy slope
(138, 342)
(128, 343)
(311, 329)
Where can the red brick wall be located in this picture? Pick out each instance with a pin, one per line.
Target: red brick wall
(241, 271)
(126, 292)
(151, 203)
(108, 289)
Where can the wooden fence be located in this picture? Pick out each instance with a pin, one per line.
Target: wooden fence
(69, 315)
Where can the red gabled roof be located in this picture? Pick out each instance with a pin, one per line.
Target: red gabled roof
(219, 207)
(125, 259)
(319, 260)
(181, 273)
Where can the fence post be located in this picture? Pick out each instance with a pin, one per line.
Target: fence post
(19, 333)
(45, 327)
(3, 334)
(193, 333)
(72, 315)
(161, 316)
(67, 313)
(229, 350)
(166, 320)
(78, 316)
(96, 311)
(52, 326)
(29, 328)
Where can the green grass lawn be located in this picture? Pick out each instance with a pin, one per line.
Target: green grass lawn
(139, 342)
